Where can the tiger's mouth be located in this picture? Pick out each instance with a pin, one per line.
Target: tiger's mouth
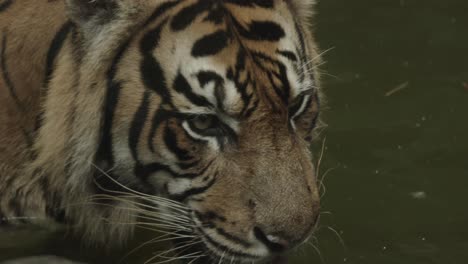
(222, 247)
(218, 246)
(220, 252)
(207, 252)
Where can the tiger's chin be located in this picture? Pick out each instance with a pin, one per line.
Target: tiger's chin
(207, 253)
(220, 253)
(205, 249)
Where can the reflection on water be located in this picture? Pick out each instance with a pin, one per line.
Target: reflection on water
(397, 139)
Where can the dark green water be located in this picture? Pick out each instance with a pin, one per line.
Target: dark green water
(397, 193)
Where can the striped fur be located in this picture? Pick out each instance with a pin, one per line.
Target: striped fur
(207, 105)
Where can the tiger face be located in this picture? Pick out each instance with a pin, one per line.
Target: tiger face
(212, 103)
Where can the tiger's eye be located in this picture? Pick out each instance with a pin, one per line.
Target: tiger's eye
(204, 122)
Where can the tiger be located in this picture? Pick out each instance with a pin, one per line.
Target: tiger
(197, 113)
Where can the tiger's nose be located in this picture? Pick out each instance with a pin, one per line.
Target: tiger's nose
(274, 243)
(282, 238)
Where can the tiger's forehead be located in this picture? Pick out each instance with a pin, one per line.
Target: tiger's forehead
(227, 55)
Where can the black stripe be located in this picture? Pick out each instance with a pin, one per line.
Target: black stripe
(6, 76)
(110, 104)
(227, 137)
(54, 50)
(278, 89)
(286, 89)
(216, 15)
(5, 5)
(112, 97)
(260, 30)
(137, 125)
(170, 139)
(53, 202)
(301, 39)
(181, 85)
(265, 30)
(249, 3)
(191, 164)
(258, 57)
(299, 66)
(223, 248)
(283, 92)
(151, 71)
(114, 89)
(211, 44)
(159, 11)
(288, 54)
(159, 116)
(249, 111)
(315, 99)
(209, 216)
(203, 171)
(296, 105)
(192, 192)
(235, 74)
(205, 77)
(135, 134)
(188, 14)
(145, 171)
(233, 238)
(303, 52)
(193, 175)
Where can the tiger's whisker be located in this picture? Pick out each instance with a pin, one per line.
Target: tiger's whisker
(319, 162)
(159, 239)
(322, 260)
(131, 190)
(188, 256)
(338, 236)
(143, 206)
(171, 250)
(151, 198)
(138, 206)
(195, 259)
(152, 215)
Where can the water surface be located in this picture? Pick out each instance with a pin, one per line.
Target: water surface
(398, 132)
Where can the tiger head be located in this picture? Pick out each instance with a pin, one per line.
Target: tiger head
(210, 103)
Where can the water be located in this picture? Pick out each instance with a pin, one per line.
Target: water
(397, 193)
(397, 139)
